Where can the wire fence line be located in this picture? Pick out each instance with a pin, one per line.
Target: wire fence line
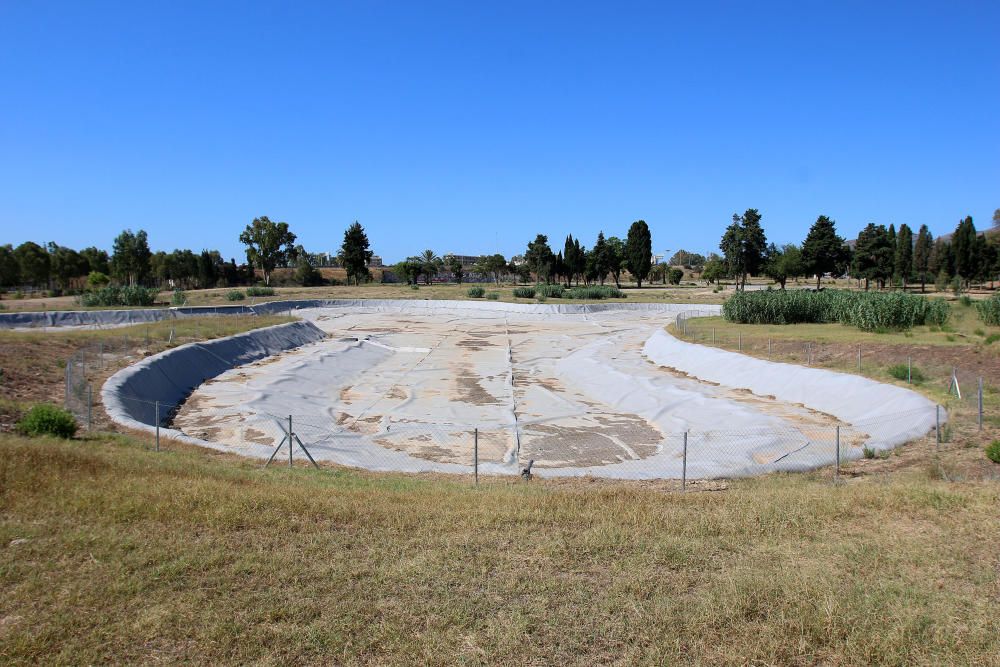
(91, 363)
(562, 446)
(558, 446)
(965, 387)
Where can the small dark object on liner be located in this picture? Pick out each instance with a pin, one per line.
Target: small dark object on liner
(526, 472)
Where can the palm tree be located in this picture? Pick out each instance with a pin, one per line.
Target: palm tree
(430, 264)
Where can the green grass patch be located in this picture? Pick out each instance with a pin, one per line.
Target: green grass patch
(911, 373)
(48, 419)
(475, 292)
(993, 451)
(524, 292)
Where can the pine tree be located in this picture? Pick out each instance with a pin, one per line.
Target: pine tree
(922, 256)
(639, 251)
(903, 265)
(823, 251)
(601, 261)
(355, 254)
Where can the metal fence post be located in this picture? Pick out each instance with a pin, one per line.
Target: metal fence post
(90, 406)
(836, 470)
(289, 441)
(859, 358)
(741, 341)
(713, 335)
(684, 464)
(475, 454)
(909, 370)
(937, 425)
(980, 403)
(100, 353)
(157, 426)
(768, 348)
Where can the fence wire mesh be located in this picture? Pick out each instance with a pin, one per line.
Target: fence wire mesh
(552, 447)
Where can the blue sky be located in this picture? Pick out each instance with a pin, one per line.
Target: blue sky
(470, 127)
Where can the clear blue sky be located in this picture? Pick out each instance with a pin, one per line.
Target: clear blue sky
(469, 127)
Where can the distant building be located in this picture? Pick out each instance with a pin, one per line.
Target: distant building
(375, 262)
(466, 260)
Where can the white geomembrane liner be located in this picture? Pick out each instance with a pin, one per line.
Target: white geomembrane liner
(401, 385)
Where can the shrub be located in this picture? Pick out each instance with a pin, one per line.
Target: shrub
(120, 296)
(235, 295)
(993, 451)
(179, 298)
(48, 419)
(901, 372)
(675, 275)
(869, 311)
(595, 292)
(989, 310)
(550, 291)
(493, 296)
(260, 291)
(965, 300)
(476, 292)
(992, 338)
(524, 292)
(308, 275)
(96, 279)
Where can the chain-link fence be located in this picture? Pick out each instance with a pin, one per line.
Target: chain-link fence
(561, 446)
(565, 446)
(108, 352)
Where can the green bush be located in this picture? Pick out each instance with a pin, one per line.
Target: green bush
(965, 300)
(235, 295)
(550, 291)
(993, 451)
(476, 292)
(524, 292)
(869, 311)
(96, 280)
(48, 419)
(120, 296)
(989, 310)
(901, 372)
(493, 296)
(992, 338)
(179, 298)
(594, 292)
(260, 291)
(675, 275)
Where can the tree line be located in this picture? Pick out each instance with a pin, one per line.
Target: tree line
(881, 255)
(573, 263)
(65, 270)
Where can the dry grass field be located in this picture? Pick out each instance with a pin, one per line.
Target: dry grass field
(113, 553)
